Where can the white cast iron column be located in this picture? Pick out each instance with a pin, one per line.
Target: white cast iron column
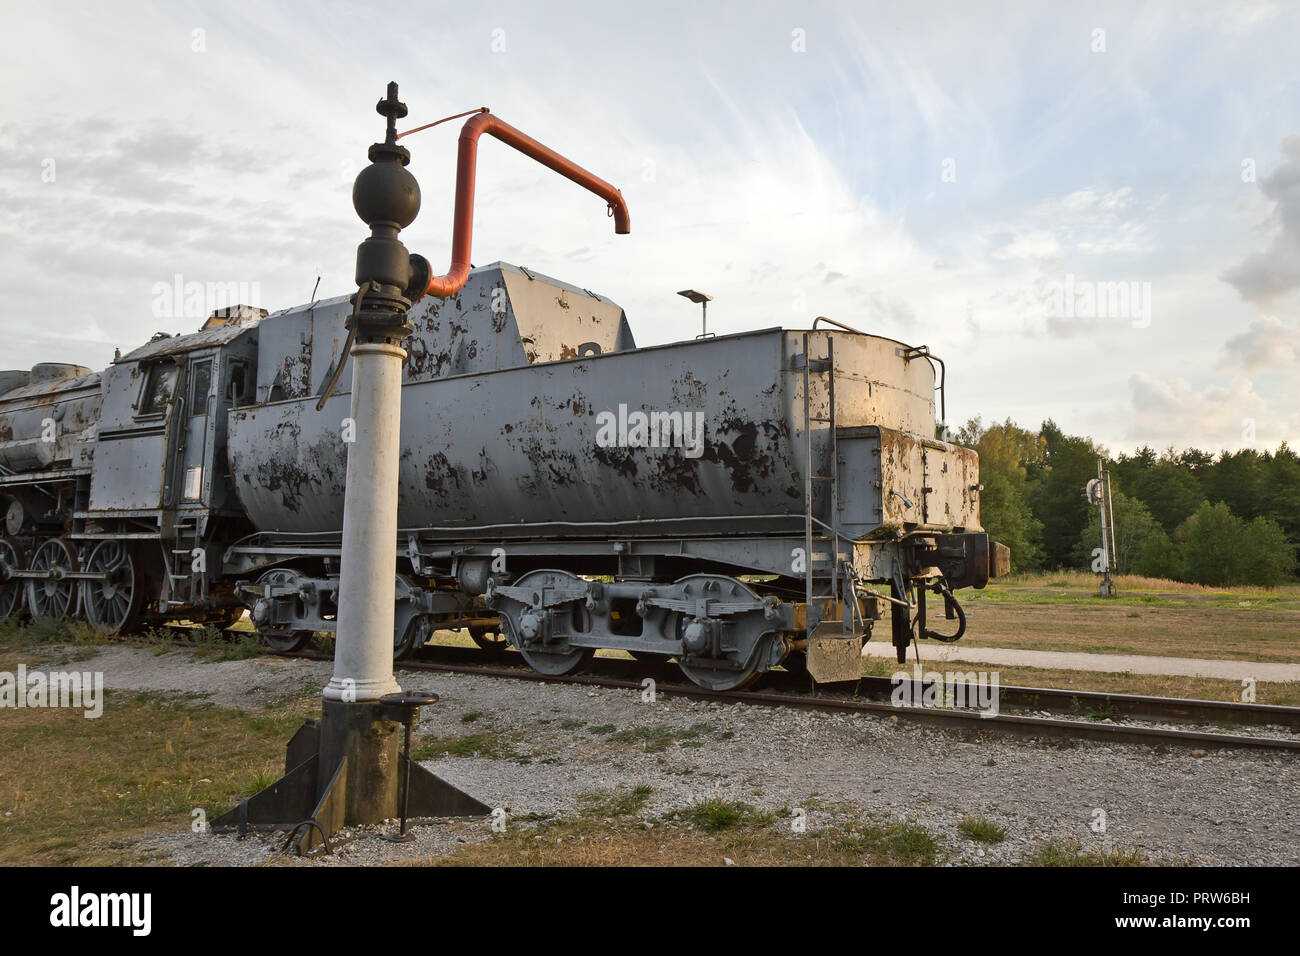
(363, 649)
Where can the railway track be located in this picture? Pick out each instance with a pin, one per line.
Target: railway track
(1081, 715)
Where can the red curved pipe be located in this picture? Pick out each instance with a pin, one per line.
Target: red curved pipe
(463, 225)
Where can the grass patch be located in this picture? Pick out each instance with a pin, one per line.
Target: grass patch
(205, 640)
(208, 641)
(77, 791)
(716, 814)
(492, 745)
(981, 830)
(898, 843)
(1070, 852)
(623, 802)
(19, 634)
(658, 738)
(1061, 611)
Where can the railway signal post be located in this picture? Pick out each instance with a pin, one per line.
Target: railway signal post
(1097, 492)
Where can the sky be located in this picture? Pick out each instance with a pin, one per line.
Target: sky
(1090, 211)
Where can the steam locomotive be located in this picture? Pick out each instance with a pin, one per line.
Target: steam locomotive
(734, 502)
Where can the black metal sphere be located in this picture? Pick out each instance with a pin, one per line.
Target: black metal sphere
(386, 192)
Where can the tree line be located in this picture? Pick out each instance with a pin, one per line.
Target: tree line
(1231, 518)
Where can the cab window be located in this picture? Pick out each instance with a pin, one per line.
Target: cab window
(200, 384)
(158, 388)
(237, 391)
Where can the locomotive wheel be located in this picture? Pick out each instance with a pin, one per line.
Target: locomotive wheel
(11, 589)
(489, 640)
(53, 597)
(113, 604)
(282, 640)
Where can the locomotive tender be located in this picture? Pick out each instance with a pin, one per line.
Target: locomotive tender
(733, 502)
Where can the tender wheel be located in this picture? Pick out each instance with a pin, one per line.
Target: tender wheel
(413, 638)
(113, 603)
(54, 596)
(528, 622)
(796, 662)
(287, 641)
(719, 678)
(729, 672)
(489, 640)
(11, 588)
(282, 640)
(554, 665)
(557, 665)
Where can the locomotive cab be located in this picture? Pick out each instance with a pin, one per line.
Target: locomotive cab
(160, 499)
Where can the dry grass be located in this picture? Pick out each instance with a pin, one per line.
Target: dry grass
(1071, 852)
(1061, 612)
(751, 840)
(74, 790)
(1085, 584)
(1154, 685)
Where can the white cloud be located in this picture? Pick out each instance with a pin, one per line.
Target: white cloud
(1265, 275)
(1166, 412)
(1267, 343)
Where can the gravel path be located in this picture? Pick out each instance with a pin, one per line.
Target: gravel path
(544, 745)
(247, 685)
(1226, 807)
(1108, 663)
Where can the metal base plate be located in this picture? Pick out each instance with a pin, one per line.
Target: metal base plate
(292, 800)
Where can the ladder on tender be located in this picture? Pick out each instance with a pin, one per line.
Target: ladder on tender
(822, 574)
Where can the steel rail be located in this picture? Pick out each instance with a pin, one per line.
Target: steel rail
(964, 720)
(1130, 705)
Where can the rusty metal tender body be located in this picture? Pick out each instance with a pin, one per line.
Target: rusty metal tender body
(733, 502)
(678, 500)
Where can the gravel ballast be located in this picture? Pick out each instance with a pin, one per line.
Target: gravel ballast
(543, 745)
